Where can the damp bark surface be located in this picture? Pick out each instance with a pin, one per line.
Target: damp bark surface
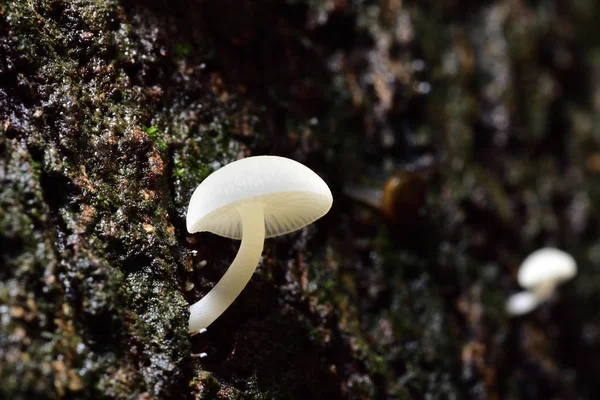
(477, 120)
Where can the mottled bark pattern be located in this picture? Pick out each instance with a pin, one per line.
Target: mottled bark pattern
(483, 113)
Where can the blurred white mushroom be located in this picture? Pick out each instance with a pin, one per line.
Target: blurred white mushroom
(540, 273)
(521, 303)
(544, 269)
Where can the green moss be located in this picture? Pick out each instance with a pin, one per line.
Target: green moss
(154, 134)
(183, 49)
(85, 208)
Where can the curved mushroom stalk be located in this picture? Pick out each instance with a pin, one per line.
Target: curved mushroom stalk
(211, 306)
(545, 290)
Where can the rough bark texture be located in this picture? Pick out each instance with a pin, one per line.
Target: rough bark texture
(482, 113)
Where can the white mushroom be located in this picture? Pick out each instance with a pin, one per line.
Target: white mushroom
(250, 200)
(540, 273)
(521, 303)
(544, 269)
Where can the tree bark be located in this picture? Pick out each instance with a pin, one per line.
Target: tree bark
(473, 123)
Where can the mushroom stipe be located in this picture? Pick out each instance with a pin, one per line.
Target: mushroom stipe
(250, 200)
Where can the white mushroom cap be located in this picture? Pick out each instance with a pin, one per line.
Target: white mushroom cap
(546, 265)
(292, 195)
(521, 303)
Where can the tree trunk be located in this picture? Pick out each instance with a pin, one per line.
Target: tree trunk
(457, 137)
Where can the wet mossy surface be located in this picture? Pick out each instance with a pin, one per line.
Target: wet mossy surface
(112, 112)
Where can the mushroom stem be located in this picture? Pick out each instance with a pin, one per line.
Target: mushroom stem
(211, 306)
(544, 290)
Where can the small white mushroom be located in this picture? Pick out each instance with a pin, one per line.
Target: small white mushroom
(540, 273)
(544, 269)
(250, 200)
(521, 303)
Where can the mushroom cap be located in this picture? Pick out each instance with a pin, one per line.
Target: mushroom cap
(521, 303)
(547, 264)
(292, 195)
